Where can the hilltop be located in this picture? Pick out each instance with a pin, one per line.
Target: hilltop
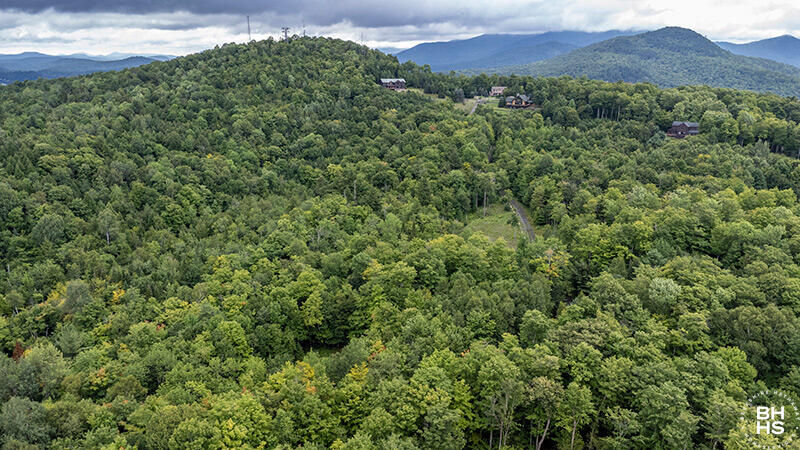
(667, 57)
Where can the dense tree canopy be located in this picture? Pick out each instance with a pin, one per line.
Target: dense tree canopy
(259, 247)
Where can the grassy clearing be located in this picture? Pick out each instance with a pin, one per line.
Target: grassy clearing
(421, 92)
(494, 225)
(466, 106)
(490, 102)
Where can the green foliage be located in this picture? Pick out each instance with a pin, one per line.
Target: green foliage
(23, 421)
(220, 252)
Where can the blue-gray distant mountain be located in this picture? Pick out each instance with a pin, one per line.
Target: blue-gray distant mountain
(492, 50)
(390, 50)
(667, 57)
(33, 65)
(116, 56)
(785, 49)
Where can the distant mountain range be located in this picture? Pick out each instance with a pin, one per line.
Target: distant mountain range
(510, 49)
(670, 56)
(493, 50)
(33, 65)
(785, 49)
(390, 50)
(667, 57)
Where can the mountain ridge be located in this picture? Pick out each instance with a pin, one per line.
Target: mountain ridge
(479, 51)
(32, 65)
(784, 48)
(668, 57)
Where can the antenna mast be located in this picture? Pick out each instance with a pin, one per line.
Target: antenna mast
(285, 33)
(249, 37)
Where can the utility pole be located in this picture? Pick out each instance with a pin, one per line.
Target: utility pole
(285, 31)
(304, 28)
(249, 37)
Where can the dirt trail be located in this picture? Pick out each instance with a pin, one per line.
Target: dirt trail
(475, 106)
(523, 218)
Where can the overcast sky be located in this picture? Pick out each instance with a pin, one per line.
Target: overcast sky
(184, 26)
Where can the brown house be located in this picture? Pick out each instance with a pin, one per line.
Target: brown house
(682, 129)
(395, 84)
(519, 101)
(497, 91)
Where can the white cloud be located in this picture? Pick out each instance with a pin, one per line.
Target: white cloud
(93, 28)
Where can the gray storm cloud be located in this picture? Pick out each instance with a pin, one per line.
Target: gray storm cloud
(145, 6)
(191, 25)
(360, 13)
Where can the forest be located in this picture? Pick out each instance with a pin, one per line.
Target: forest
(668, 57)
(258, 246)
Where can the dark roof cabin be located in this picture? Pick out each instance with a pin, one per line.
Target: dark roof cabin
(519, 101)
(682, 129)
(395, 84)
(496, 91)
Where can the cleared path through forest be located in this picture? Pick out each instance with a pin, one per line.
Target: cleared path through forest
(477, 102)
(523, 218)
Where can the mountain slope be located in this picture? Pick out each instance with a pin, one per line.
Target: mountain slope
(491, 50)
(785, 49)
(32, 65)
(667, 57)
(536, 52)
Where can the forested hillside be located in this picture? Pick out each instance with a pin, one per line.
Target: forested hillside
(492, 50)
(667, 57)
(259, 247)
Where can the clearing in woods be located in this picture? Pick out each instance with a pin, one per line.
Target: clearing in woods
(498, 223)
(468, 106)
